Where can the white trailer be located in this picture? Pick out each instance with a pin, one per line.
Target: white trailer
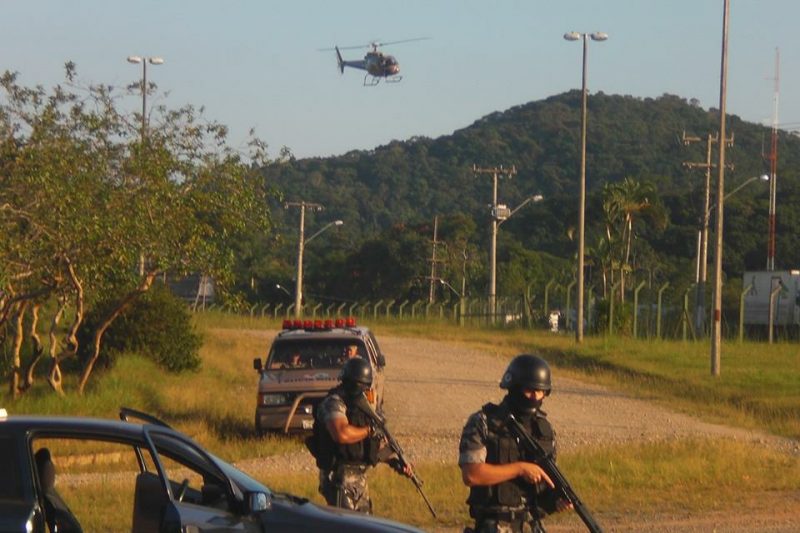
(787, 300)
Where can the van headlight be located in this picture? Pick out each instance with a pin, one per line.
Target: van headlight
(273, 399)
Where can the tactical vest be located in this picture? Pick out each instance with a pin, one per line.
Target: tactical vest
(329, 453)
(502, 448)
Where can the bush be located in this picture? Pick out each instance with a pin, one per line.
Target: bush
(623, 317)
(157, 325)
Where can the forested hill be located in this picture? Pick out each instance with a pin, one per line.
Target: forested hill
(410, 181)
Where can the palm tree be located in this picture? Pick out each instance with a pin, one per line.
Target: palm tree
(624, 203)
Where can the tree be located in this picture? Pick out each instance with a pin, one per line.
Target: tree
(83, 197)
(624, 204)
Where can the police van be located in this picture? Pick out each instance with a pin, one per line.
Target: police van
(303, 363)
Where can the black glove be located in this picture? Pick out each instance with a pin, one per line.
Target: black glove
(396, 465)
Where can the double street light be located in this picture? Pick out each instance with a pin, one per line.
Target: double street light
(153, 61)
(576, 36)
(144, 61)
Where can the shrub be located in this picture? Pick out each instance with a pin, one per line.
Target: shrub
(157, 325)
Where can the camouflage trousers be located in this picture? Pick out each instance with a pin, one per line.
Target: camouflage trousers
(346, 487)
(523, 524)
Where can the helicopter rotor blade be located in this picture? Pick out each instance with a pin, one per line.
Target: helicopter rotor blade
(362, 46)
(380, 43)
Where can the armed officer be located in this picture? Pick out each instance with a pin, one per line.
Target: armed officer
(508, 493)
(344, 443)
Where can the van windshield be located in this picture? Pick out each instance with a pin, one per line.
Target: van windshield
(313, 353)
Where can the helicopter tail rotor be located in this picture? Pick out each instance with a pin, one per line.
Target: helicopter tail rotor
(339, 60)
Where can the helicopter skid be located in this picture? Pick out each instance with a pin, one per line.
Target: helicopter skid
(371, 81)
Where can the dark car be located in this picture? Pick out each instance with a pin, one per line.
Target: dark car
(147, 478)
(303, 363)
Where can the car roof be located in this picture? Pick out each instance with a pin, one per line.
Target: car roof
(334, 333)
(72, 425)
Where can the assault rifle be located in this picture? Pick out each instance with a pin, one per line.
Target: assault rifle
(547, 464)
(380, 424)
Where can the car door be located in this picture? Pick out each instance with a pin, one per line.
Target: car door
(196, 495)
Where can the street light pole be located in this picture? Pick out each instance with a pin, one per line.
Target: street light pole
(716, 323)
(301, 244)
(144, 60)
(495, 172)
(153, 61)
(574, 36)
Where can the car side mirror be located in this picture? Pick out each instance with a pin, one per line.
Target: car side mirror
(258, 501)
(381, 360)
(257, 364)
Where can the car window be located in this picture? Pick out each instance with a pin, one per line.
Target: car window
(192, 478)
(10, 481)
(314, 353)
(91, 476)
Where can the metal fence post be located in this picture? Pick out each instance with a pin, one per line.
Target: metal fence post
(772, 297)
(569, 302)
(611, 308)
(741, 311)
(277, 310)
(658, 309)
(636, 307)
(389, 305)
(546, 310)
(685, 321)
(400, 309)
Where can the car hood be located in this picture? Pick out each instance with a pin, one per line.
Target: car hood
(302, 515)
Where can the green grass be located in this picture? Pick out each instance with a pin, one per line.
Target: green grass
(757, 389)
(680, 477)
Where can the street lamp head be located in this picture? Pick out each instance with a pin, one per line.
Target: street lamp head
(338, 222)
(572, 36)
(134, 59)
(764, 177)
(537, 198)
(156, 60)
(599, 36)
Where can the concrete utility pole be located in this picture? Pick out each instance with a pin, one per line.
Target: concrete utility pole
(433, 278)
(716, 333)
(702, 253)
(499, 213)
(298, 288)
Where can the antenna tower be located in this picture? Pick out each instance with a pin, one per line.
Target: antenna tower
(773, 167)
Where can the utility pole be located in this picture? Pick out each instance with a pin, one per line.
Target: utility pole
(773, 168)
(716, 324)
(298, 289)
(702, 256)
(433, 278)
(497, 217)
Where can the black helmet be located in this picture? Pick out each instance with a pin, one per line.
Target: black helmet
(356, 375)
(529, 372)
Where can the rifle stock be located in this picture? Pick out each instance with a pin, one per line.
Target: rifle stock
(380, 423)
(549, 466)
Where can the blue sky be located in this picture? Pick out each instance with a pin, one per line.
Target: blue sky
(256, 63)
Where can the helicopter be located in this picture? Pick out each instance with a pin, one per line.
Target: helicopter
(377, 64)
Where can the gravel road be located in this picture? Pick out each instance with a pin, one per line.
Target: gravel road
(433, 386)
